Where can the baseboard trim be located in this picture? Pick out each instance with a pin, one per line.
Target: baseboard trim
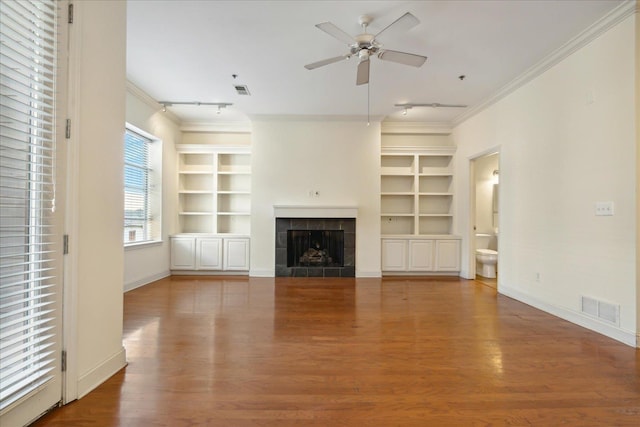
(208, 273)
(420, 273)
(626, 337)
(369, 274)
(146, 280)
(101, 373)
(255, 272)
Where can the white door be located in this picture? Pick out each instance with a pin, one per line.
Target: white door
(209, 253)
(236, 254)
(183, 253)
(394, 255)
(31, 203)
(420, 255)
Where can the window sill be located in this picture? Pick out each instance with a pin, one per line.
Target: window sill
(142, 245)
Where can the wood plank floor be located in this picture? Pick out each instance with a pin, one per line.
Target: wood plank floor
(227, 351)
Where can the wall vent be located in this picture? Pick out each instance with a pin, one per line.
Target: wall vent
(601, 310)
(242, 89)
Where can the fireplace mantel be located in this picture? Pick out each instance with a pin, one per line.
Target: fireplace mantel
(311, 211)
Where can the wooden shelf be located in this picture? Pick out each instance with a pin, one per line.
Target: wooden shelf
(214, 189)
(416, 196)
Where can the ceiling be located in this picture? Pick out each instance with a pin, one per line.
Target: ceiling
(180, 50)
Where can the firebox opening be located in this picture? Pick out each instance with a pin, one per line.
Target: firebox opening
(322, 248)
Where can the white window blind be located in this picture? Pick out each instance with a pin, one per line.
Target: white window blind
(27, 197)
(137, 189)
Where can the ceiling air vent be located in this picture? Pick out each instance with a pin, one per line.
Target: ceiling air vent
(242, 89)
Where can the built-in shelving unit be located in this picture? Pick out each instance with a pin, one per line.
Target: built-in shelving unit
(416, 191)
(214, 189)
(214, 192)
(416, 202)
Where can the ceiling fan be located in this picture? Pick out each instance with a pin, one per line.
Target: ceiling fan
(365, 45)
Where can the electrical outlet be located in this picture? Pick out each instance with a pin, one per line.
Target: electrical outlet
(604, 208)
(537, 277)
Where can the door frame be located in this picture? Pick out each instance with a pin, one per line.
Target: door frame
(471, 219)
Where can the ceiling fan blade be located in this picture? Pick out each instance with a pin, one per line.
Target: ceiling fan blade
(404, 23)
(336, 32)
(363, 72)
(324, 62)
(402, 58)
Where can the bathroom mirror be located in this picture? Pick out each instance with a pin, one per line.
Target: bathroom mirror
(495, 206)
(495, 198)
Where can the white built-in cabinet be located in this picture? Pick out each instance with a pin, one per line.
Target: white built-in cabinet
(416, 202)
(209, 253)
(417, 255)
(214, 207)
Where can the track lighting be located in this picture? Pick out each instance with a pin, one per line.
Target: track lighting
(431, 105)
(220, 105)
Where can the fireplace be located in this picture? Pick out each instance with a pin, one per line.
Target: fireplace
(315, 247)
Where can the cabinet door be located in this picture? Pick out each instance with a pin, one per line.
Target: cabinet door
(209, 253)
(236, 254)
(394, 255)
(448, 255)
(183, 253)
(420, 255)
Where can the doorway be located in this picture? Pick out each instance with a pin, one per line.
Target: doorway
(484, 217)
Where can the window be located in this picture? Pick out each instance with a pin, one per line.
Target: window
(29, 246)
(141, 187)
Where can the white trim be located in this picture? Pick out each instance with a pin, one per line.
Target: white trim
(201, 148)
(262, 272)
(142, 245)
(369, 274)
(585, 37)
(101, 373)
(70, 297)
(432, 128)
(207, 127)
(209, 273)
(315, 118)
(445, 150)
(618, 334)
(147, 99)
(310, 211)
(145, 280)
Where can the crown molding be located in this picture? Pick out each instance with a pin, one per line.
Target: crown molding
(434, 128)
(208, 127)
(313, 118)
(147, 99)
(598, 28)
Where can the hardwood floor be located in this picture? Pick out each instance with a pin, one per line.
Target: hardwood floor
(227, 351)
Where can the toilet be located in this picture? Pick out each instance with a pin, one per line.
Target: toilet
(487, 259)
(486, 254)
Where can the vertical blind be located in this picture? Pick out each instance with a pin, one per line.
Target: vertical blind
(27, 197)
(137, 211)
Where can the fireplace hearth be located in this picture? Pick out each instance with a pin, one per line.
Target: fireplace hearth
(315, 247)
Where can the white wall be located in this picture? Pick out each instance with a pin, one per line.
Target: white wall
(559, 154)
(146, 263)
(339, 159)
(97, 88)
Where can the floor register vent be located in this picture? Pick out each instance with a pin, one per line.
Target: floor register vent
(601, 310)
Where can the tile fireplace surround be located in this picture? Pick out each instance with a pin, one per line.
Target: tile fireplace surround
(315, 218)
